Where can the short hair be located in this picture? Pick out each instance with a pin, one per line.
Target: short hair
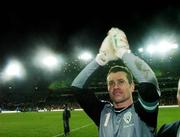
(118, 68)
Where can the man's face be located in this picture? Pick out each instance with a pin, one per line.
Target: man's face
(119, 88)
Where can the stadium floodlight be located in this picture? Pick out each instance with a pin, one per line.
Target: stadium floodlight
(161, 47)
(140, 50)
(50, 61)
(14, 69)
(165, 46)
(151, 49)
(46, 59)
(86, 56)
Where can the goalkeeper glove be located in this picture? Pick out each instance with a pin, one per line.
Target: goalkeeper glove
(119, 42)
(106, 52)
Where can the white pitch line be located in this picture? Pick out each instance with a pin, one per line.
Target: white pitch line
(75, 129)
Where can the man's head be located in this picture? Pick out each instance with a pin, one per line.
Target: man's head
(120, 85)
(178, 93)
(65, 106)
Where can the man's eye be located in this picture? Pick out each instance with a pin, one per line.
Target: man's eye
(120, 81)
(111, 83)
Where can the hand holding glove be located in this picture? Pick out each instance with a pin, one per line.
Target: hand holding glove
(119, 42)
(106, 52)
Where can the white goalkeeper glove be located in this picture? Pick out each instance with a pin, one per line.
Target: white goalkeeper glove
(106, 52)
(119, 42)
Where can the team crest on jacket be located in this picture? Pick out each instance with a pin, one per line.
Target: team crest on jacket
(127, 117)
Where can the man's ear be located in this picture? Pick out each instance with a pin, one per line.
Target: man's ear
(132, 86)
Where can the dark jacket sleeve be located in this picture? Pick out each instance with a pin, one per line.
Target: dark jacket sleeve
(86, 98)
(148, 89)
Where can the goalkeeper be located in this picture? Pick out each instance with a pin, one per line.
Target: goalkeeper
(121, 117)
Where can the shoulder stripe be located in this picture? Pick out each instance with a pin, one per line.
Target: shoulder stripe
(148, 106)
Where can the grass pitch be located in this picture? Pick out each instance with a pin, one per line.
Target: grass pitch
(49, 124)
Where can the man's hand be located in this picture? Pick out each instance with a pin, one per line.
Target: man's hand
(119, 41)
(106, 52)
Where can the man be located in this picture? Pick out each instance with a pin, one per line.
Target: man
(66, 117)
(122, 118)
(173, 129)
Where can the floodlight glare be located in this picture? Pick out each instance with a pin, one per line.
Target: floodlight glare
(50, 61)
(151, 49)
(162, 47)
(140, 50)
(13, 69)
(47, 59)
(174, 46)
(86, 56)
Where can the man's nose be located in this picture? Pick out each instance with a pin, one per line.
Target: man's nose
(116, 84)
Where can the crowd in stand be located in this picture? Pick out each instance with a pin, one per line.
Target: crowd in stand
(167, 98)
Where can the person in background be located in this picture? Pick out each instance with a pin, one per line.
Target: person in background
(66, 117)
(121, 117)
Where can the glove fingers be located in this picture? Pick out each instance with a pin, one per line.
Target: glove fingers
(107, 49)
(119, 41)
(118, 38)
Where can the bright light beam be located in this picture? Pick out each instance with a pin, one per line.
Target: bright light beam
(165, 46)
(161, 47)
(140, 50)
(151, 49)
(86, 56)
(50, 61)
(14, 69)
(47, 59)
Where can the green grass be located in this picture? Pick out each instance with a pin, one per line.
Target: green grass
(49, 124)
(168, 115)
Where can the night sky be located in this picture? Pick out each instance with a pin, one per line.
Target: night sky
(22, 25)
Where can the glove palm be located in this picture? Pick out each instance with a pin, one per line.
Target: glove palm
(119, 42)
(106, 52)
